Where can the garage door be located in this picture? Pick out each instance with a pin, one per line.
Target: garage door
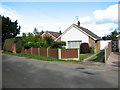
(74, 44)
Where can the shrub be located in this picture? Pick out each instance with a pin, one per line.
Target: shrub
(58, 44)
(8, 44)
(84, 48)
(32, 44)
(91, 49)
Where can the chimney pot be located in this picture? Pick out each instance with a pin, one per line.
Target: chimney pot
(60, 32)
(78, 23)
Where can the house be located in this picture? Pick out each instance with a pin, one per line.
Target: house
(75, 35)
(53, 35)
(118, 37)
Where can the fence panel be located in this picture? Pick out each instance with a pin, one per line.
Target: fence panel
(23, 50)
(43, 52)
(53, 53)
(28, 51)
(69, 53)
(34, 51)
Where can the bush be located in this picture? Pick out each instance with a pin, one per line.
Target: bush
(91, 50)
(84, 48)
(58, 44)
(32, 44)
(8, 44)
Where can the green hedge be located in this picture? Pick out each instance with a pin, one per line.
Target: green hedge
(8, 44)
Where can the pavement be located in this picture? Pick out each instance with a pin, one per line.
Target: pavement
(20, 72)
(114, 60)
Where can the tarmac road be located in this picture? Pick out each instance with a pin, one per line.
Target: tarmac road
(20, 72)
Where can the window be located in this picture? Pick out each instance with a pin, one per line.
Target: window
(74, 44)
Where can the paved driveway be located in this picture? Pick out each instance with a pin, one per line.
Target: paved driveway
(19, 72)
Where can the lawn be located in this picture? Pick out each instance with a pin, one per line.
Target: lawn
(39, 57)
(99, 57)
(83, 56)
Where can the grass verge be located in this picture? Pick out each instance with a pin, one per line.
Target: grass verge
(99, 57)
(83, 56)
(39, 57)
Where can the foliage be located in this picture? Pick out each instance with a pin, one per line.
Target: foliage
(8, 44)
(84, 48)
(111, 36)
(58, 44)
(32, 44)
(83, 56)
(91, 50)
(98, 57)
(9, 29)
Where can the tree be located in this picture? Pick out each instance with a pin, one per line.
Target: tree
(9, 29)
(35, 31)
(111, 36)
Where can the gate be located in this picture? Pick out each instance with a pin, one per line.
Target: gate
(114, 46)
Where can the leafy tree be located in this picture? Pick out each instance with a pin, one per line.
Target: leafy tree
(9, 29)
(111, 36)
(35, 31)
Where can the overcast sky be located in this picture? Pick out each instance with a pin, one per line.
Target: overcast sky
(99, 17)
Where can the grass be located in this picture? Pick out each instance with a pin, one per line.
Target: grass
(98, 57)
(83, 56)
(39, 57)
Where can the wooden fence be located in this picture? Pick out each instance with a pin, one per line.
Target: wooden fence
(108, 51)
(55, 53)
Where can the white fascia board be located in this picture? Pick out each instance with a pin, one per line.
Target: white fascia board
(64, 32)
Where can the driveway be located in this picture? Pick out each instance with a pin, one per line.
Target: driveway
(20, 72)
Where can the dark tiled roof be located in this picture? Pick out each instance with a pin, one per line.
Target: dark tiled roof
(89, 32)
(55, 34)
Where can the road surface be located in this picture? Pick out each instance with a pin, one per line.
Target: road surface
(20, 72)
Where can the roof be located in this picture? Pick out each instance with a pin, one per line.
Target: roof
(89, 32)
(55, 34)
(84, 30)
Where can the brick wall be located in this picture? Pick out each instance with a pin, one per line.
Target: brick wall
(69, 53)
(23, 50)
(94, 44)
(59, 39)
(97, 46)
(53, 53)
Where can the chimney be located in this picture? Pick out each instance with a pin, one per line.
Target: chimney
(60, 32)
(78, 23)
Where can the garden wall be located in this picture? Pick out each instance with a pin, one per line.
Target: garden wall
(55, 53)
(108, 51)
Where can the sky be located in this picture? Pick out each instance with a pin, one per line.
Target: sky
(99, 17)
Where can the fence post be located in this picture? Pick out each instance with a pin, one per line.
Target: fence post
(78, 53)
(47, 52)
(31, 50)
(25, 51)
(59, 53)
(105, 55)
(38, 51)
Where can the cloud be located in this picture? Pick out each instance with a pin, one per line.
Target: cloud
(108, 15)
(86, 19)
(8, 12)
(101, 29)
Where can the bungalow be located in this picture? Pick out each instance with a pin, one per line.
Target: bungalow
(53, 35)
(75, 35)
